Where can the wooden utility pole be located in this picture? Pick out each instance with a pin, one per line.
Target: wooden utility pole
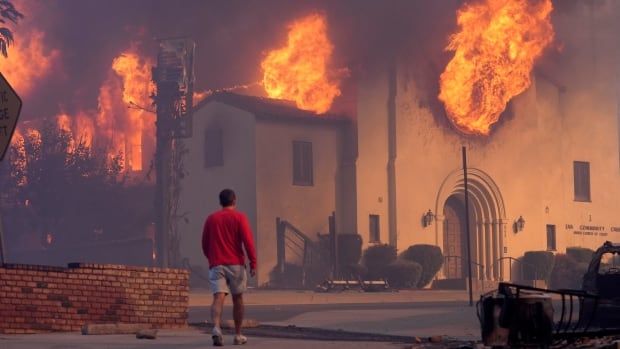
(469, 276)
(174, 78)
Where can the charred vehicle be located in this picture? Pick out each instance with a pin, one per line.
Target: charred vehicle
(603, 280)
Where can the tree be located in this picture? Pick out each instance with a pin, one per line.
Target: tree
(77, 193)
(10, 13)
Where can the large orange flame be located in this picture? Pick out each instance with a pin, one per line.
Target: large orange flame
(30, 58)
(123, 100)
(299, 71)
(494, 53)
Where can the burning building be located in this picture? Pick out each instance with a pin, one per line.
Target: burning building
(542, 138)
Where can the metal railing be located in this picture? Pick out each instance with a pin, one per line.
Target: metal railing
(521, 264)
(480, 267)
(290, 238)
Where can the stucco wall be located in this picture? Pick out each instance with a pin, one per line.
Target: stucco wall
(202, 185)
(372, 161)
(306, 207)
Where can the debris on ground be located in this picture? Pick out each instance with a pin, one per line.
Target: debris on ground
(146, 334)
(116, 328)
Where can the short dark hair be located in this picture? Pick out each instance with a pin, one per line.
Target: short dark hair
(227, 197)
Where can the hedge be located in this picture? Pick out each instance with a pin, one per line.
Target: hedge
(349, 249)
(429, 257)
(537, 265)
(376, 258)
(580, 254)
(402, 274)
(567, 273)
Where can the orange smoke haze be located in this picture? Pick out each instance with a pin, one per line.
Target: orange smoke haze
(494, 52)
(299, 71)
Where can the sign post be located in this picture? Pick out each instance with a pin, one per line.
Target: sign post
(10, 106)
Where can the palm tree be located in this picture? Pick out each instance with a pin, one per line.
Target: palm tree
(10, 13)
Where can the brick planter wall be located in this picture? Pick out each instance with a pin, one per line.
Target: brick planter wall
(42, 298)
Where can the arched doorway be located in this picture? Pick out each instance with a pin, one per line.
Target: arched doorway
(454, 238)
(487, 218)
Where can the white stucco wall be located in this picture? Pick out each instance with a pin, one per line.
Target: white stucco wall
(202, 185)
(372, 160)
(306, 207)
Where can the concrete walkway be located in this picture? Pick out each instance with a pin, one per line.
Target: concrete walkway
(185, 339)
(408, 313)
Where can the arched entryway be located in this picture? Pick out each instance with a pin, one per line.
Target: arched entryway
(487, 225)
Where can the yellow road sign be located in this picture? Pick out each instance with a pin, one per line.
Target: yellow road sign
(10, 106)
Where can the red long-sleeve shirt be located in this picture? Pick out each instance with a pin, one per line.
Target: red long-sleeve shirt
(224, 234)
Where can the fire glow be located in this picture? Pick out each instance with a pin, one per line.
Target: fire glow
(494, 53)
(299, 71)
(114, 125)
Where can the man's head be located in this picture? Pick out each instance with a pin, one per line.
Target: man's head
(228, 198)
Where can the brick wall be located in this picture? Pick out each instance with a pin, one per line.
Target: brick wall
(42, 298)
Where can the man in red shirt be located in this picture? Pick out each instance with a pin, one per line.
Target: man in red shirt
(225, 234)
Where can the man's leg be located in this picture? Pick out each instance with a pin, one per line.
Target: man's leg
(238, 310)
(217, 308)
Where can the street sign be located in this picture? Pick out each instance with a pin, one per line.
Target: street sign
(10, 106)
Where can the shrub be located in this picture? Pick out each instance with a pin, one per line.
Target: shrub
(291, 278)
(580, 254)
(403, 274)
(353, 271)
(537, 265)
(567, 273)
(429, 257)
(376, 258)
(349, 249)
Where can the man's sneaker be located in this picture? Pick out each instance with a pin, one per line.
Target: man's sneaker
(217, 337)
(240, 339)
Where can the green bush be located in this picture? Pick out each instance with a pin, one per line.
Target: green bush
(402, 274)
(429, 257)
(567, 273)
(537, 265)
(349, 249)
(376, 258)
(580, 254)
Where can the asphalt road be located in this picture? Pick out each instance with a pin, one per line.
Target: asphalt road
(283, 313)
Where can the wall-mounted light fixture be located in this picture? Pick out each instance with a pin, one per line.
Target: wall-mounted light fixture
(427, 218)
(519, 224)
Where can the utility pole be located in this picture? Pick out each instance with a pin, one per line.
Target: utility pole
(174, 78)
(471, 296)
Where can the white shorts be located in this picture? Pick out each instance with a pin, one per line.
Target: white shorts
(228, 279)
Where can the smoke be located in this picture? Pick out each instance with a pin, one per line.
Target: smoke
(232, 36)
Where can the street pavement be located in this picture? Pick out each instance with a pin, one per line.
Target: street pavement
(420, 313)
(182, 339)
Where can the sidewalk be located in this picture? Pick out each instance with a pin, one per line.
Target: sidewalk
(187, 339)
(203, 297)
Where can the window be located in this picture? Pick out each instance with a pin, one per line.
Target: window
(551, 237)
(302, 164)
(373, 229)
(581, 173)
(214, 149)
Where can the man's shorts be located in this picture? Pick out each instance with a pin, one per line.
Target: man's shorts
(228, 279)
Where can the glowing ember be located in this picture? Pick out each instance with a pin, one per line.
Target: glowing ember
(494, 53)
(298, 71)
